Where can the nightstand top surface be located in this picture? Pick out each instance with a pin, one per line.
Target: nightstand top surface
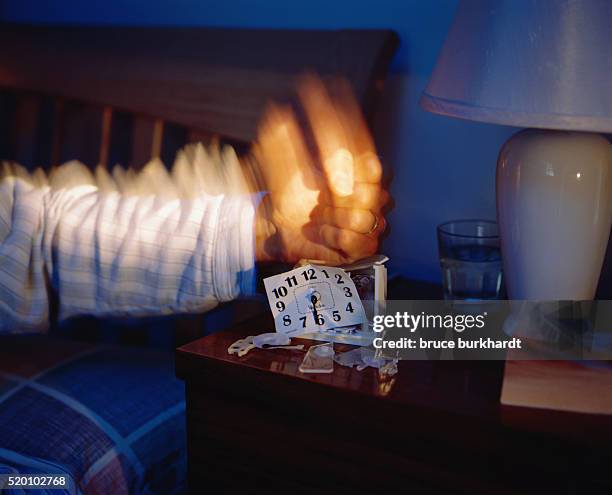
(446, 389)
(470, 388)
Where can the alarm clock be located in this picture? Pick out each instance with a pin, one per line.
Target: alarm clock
(313, 298)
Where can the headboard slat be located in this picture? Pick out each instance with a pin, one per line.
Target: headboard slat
(214, 80)
(147, 136)
(157, 138)
(105, 139)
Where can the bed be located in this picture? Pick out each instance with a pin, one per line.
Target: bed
(97, 399)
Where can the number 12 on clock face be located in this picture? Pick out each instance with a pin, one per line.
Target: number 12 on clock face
(313, 298)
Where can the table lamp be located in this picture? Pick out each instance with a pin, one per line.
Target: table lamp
(545, 66)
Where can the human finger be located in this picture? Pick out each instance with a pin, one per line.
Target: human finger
(367, 166)
(355, 219)
(336, 157)
(365, 196)
(352, 244)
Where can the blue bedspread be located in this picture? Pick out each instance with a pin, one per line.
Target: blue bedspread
(111, 417)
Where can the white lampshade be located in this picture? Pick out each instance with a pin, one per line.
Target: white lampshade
(527, 63)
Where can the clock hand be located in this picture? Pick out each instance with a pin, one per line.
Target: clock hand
(313, 300)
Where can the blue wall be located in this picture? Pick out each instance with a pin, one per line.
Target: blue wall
(443, 168)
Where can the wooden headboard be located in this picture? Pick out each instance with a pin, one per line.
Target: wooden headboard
(124, 95)
(107, 95)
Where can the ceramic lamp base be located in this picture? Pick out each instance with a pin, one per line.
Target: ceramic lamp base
(554, 207)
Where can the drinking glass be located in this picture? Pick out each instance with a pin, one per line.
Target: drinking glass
(470, 259)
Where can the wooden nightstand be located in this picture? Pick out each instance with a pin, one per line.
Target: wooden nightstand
(256, 424)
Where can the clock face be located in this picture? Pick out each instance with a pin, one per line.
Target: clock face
(313, 298)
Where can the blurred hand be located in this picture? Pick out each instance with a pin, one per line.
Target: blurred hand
(326, 207)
